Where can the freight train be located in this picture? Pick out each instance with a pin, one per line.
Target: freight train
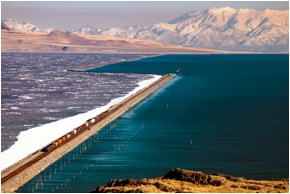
(78, 130)
(86, 126)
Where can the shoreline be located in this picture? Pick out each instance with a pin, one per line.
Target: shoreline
(26, 174)
(93, 66)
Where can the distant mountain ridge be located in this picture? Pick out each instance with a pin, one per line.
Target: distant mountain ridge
(22, 26)
(217, 28)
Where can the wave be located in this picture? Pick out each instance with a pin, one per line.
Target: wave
(27, 97)
(47, 133)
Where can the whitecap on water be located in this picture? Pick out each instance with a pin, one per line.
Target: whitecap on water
(47, 133)
(27, 97)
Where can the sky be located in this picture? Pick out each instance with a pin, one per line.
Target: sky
(72, 15)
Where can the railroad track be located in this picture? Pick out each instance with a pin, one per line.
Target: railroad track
(33, 161)
(97, 119)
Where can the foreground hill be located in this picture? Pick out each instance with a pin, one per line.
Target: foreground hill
(57, 41)
(184, 181)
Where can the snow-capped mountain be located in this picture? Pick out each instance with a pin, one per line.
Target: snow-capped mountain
(48, 30)
(235, 29)
(219, 28)
(87, 29)
(23, 26)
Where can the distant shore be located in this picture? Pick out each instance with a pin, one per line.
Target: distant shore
(61, 42)
(87, 67)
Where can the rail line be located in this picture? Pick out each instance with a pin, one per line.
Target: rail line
(28, 164)
(86, 126)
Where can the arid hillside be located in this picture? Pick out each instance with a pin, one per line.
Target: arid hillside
(57, 41)
(187, 181)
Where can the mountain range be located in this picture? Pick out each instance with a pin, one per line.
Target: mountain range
(15, 25)
(216, 28)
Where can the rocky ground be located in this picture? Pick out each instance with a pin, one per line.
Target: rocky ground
(184, 181)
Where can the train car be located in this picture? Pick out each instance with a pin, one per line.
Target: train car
(82, 127)
(55, 144)
(87, 124)
(47, 148)
(92, 121)
(101, 116)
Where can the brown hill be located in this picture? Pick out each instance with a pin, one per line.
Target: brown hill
(184, 181)
(57, 41)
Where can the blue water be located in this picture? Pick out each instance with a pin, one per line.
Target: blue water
(222, 114)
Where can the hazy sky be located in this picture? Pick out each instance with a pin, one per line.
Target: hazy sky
(72, 15)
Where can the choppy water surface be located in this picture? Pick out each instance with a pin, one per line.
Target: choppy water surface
(223, 114)
(36, 89)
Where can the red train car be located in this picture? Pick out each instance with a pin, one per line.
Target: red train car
(55, 144)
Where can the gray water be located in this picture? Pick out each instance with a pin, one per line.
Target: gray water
(36, 88)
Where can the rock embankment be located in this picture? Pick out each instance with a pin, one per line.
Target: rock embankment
(181, 181)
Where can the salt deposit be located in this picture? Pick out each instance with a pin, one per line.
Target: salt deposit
(36, 138)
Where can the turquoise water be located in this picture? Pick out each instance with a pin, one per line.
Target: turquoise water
(222, 114)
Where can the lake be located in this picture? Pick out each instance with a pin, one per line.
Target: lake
(221, 114)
